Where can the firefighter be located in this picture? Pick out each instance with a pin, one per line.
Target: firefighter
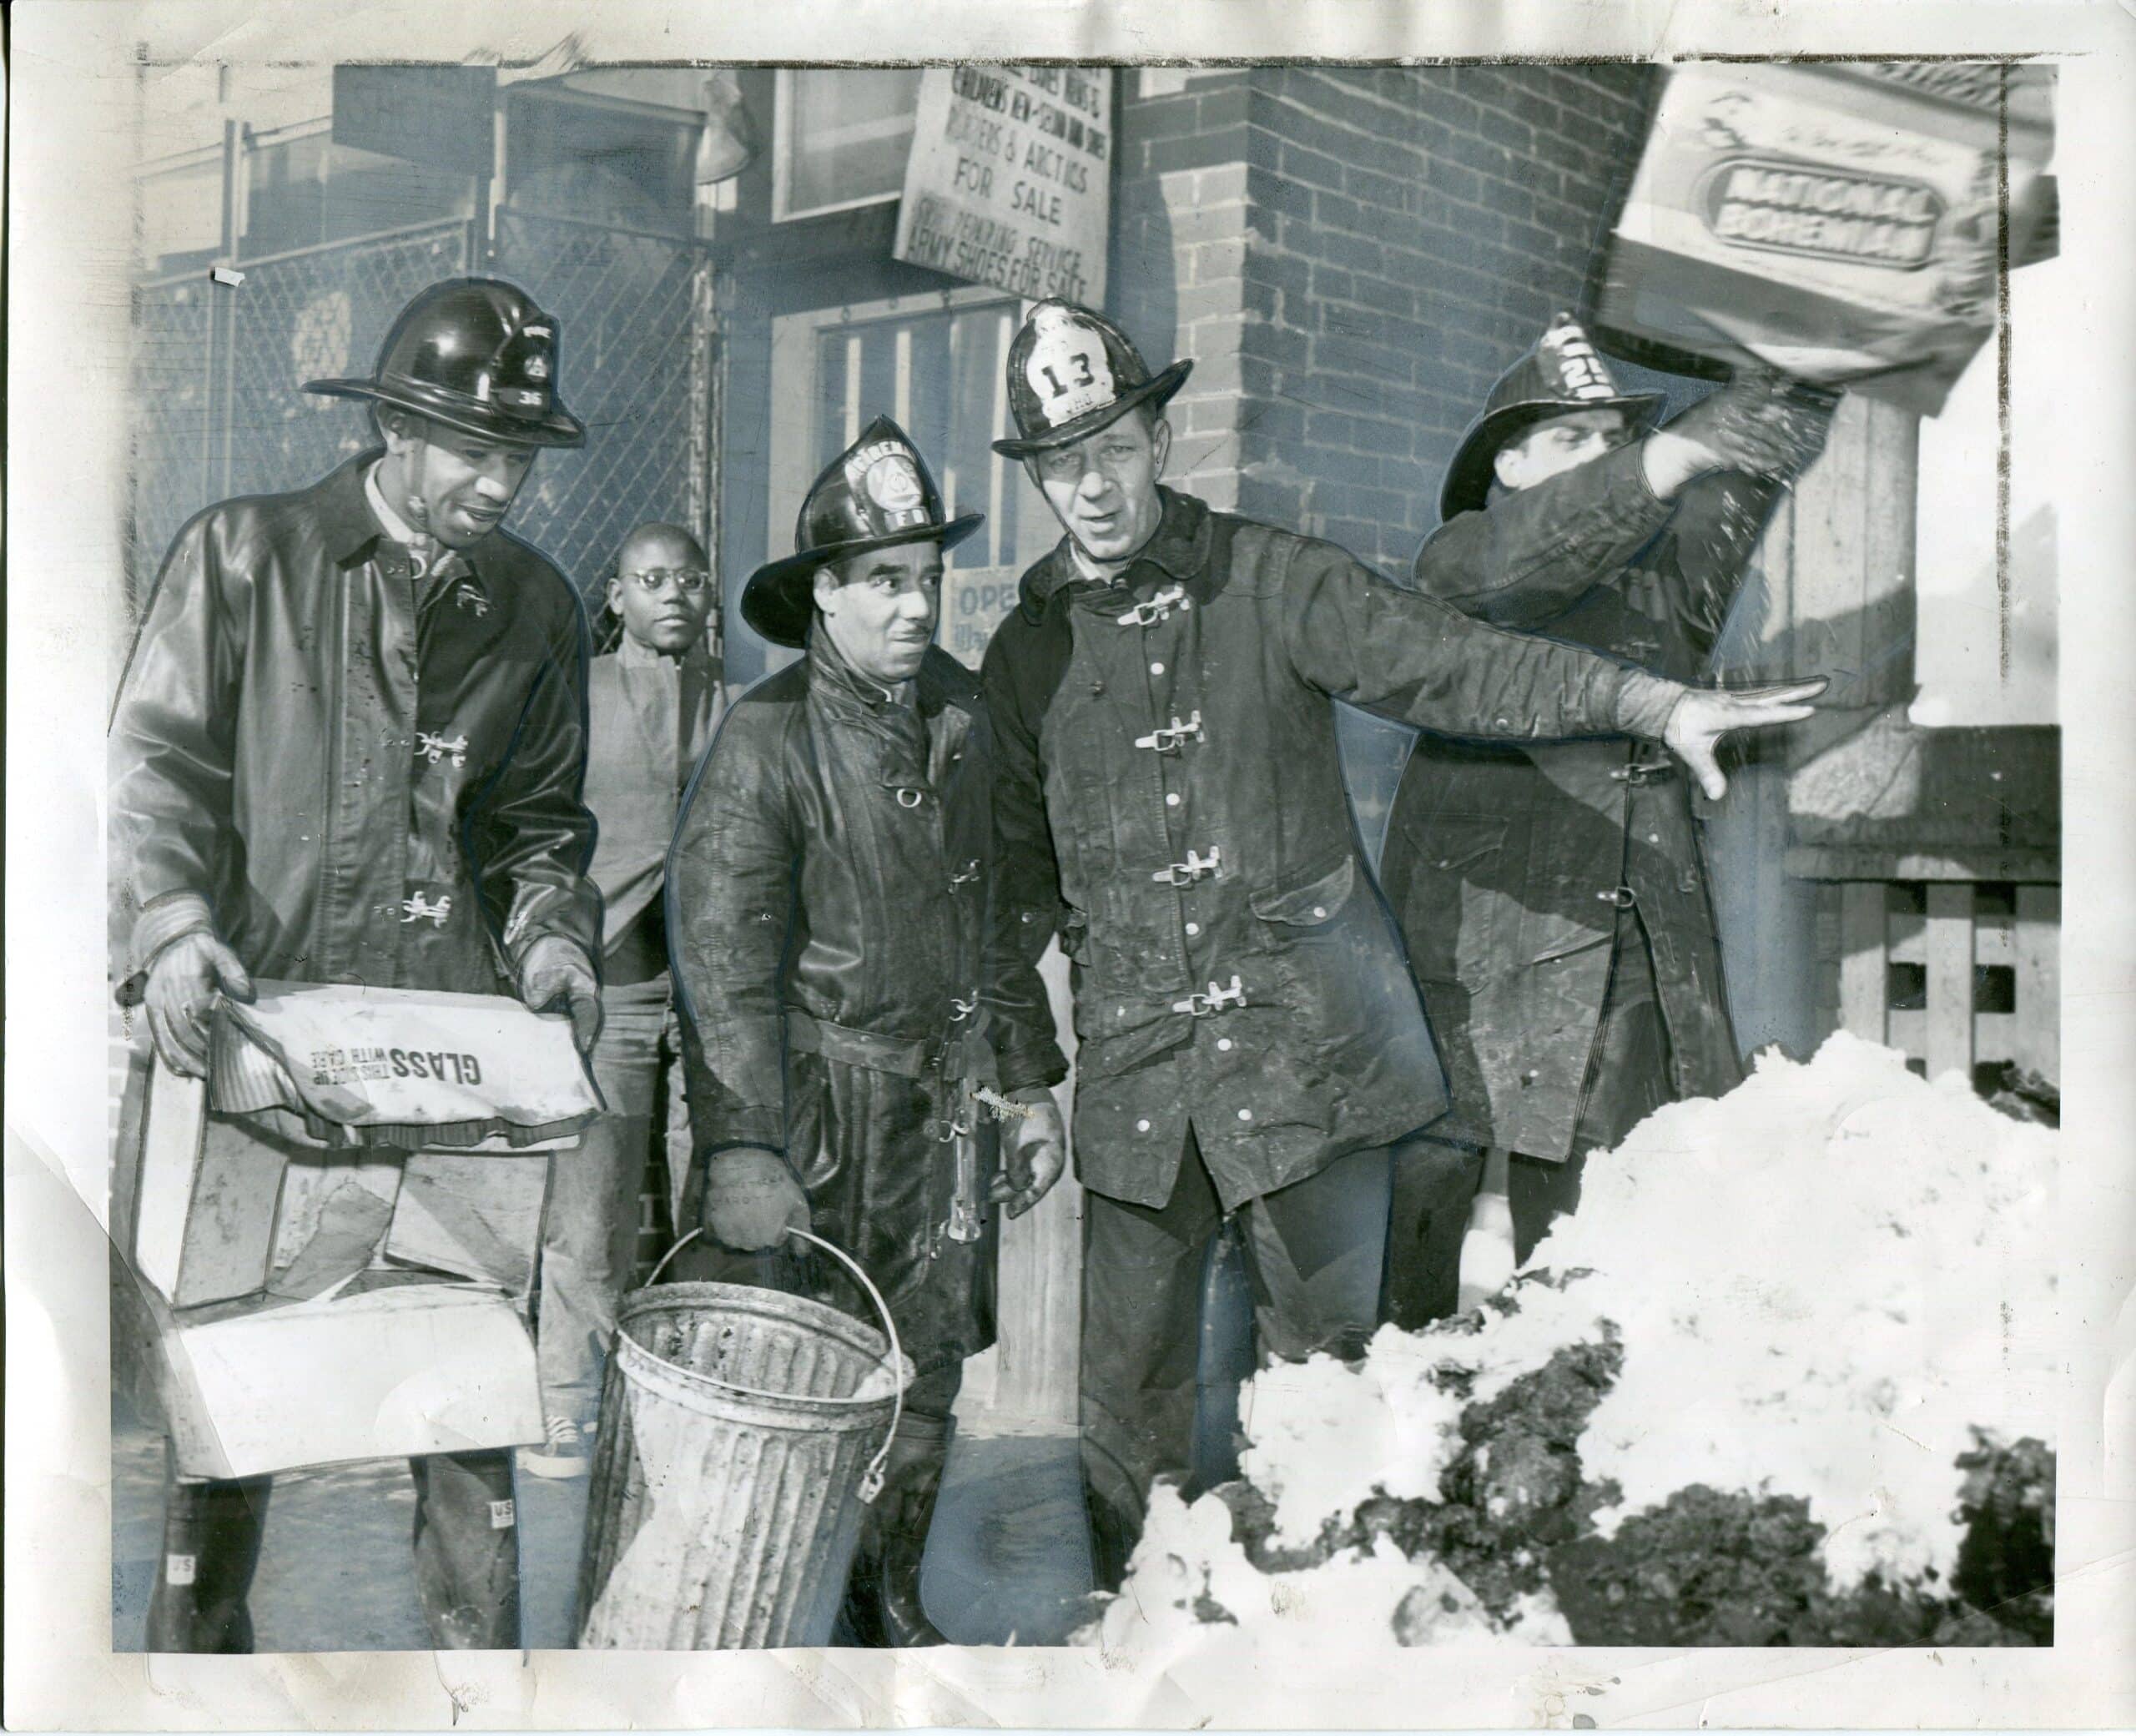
(1554, 899)
(828, 898)
(348, 748)
(1170, 800)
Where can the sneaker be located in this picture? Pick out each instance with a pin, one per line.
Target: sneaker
(568, 1450)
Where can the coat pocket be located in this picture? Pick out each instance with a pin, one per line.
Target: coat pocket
(1330, 959)
(1310, 905)
(1449, 891)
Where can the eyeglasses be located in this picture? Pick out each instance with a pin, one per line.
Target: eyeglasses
(688, 580)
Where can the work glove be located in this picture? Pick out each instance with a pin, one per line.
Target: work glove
(183, 980)
(751, 1198)
(1755, 425)
(557, 972)
(1034, 1152)
(1704, 715)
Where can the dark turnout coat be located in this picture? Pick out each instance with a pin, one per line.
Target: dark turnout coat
(1507, 867)
(360, 778)
(827, 919)
(1168, 741)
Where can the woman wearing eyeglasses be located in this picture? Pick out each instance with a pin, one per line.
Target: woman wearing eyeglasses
(652, 703)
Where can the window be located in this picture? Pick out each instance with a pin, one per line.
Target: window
(1983, 655)
(841, 139)
(602, 159)
(302, 189)
(180, 206)
(936, 365)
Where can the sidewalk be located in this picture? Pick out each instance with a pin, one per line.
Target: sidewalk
(1008, 1560)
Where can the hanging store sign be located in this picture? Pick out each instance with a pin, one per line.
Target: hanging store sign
(1842, 224)
(1009, 181)
(443, 116)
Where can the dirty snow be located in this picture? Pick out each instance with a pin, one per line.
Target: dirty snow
(1188, 1574)
(1823, 1283)
(1840, 1269)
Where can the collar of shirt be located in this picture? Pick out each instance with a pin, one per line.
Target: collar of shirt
(1179, 548)
(397, 529)
(633, 655)
(430, 555)
(827, 658)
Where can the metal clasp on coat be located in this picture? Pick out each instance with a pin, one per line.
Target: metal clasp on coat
(969, 874)
(1201, 1006)
(908, 796)
(1169, 741)
(960, 1126)
(1623, 897)
(434, 748)
(417, 908)
(1186, 873)
(961, 1008)
(1159, 608)
(1643, 772)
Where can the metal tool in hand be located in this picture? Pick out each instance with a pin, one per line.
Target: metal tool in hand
(967, 1202)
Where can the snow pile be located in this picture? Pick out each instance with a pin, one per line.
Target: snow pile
(1189, 1574)
(1326, 1436)
(1801, 1331)
(1838, 1271)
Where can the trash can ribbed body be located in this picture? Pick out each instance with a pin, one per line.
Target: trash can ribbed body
(725, 1505)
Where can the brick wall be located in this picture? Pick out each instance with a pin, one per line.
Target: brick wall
(1179, 283)
(1352, 255)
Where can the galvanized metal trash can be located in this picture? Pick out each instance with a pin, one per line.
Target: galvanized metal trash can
(741, 1431)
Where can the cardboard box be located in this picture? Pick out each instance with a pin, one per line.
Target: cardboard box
(203, 1218)
(1843, 223)
(403, 1069)
(322, 1288)
(400, 1371)
(477, 1216)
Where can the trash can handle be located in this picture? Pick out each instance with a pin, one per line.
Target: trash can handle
(871, 1485)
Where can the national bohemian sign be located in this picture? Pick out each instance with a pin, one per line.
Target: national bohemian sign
(1784, 207)
(1009, 181)
(1842, 222)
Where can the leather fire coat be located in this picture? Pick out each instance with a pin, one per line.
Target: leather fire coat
(358, 787)
(822, 867)
(1511, 868)
(828, 899)
(1168, 741)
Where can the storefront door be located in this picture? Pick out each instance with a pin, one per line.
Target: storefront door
(937, 365)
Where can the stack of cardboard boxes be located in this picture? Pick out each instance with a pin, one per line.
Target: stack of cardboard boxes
(325, 1283)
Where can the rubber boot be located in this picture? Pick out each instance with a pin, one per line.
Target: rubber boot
(467, 1550)
(1114, 1535)
(883, 1608)
(211, 1545)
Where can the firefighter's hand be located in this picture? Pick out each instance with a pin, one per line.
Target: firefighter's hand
(557, 972)
(1704, 715)
(183, 982)
(1749, 426)
(1034, 1153)
(751, 1198)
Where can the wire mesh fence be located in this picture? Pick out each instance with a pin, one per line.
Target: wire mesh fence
(174, 425)
(218, 376)
(319, 313)
(627, 307)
